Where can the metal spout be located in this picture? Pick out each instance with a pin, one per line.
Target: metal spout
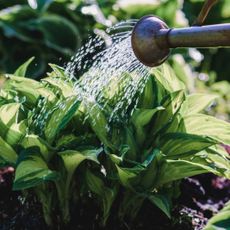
(152, 39)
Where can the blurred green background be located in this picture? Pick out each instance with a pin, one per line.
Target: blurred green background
(53, 30)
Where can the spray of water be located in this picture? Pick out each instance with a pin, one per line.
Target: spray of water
(115, 76)
(110, 75)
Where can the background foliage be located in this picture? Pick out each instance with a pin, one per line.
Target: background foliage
(53, 30)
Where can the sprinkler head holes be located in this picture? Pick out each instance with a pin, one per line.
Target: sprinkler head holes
(148, 49)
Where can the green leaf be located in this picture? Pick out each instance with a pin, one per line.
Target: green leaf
(221, 220)
(147, 99)
(21, 71)
(106, 194)
(178, 144)
(9, 113)
(161, 202)
(129, 177)
(130, 205)
(140, 119)
(204, 125)
(59, 33)
(16, 132)
(72, 159)
(99, 123)
(172, 170)
(195, 103)
(172, 103)
(141, 176)
(8, 156)
(32, 170)
(9, 19)
(148, 176)
(28, 88)
(60, 117)
(8, 116)
(31, 140)
(211, 160)
(61, 85)
(166, 76)
(216, 158)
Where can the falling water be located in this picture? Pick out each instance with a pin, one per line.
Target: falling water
(110, 75)
(114, 70)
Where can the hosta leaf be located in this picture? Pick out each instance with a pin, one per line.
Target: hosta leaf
(129, 176)
(148, 176)
(9, 113)
(8, 116)
(59, 33)
(99, 123)
(172, 170)
(16, 132)
(9, 19)
(221, 220)
(58, 72)
(106, 194)
(60, 117)
(31, 140)
(141, 175)
(204, 125)
(166, 76)
(59, 80)
(140, 119)
(202, 162)
(32, 170)
(183, 71)
(178, 144)
(28, 88)
(172, 104)
(130, 142)
(8, 156)
(217, 158)
(71, 141)
(59, 84)
(148, 99)
(21, 71)
(161, 202)
(73, 158)
(195, 103)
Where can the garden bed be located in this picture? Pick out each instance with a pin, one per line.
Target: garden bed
(201, 197)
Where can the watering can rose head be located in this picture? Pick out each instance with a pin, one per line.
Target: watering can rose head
(146, 46)
(152, 39)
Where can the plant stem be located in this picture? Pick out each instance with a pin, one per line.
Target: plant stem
(204, 12)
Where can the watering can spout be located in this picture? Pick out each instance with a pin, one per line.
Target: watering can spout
(152, 39)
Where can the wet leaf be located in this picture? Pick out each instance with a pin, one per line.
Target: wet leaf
(8, 156)
(21, 70)
(32, 170)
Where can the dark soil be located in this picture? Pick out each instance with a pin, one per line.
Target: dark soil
(201, 197)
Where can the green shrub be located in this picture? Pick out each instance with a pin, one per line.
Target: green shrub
(61, 147)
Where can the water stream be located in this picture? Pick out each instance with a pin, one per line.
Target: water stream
(105, 73)
(114, 71)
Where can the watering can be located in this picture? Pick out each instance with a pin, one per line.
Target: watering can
(152, 39)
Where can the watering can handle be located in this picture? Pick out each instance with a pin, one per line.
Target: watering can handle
(196, 36)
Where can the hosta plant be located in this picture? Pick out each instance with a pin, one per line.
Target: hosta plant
(221, 220)
(63, 151)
